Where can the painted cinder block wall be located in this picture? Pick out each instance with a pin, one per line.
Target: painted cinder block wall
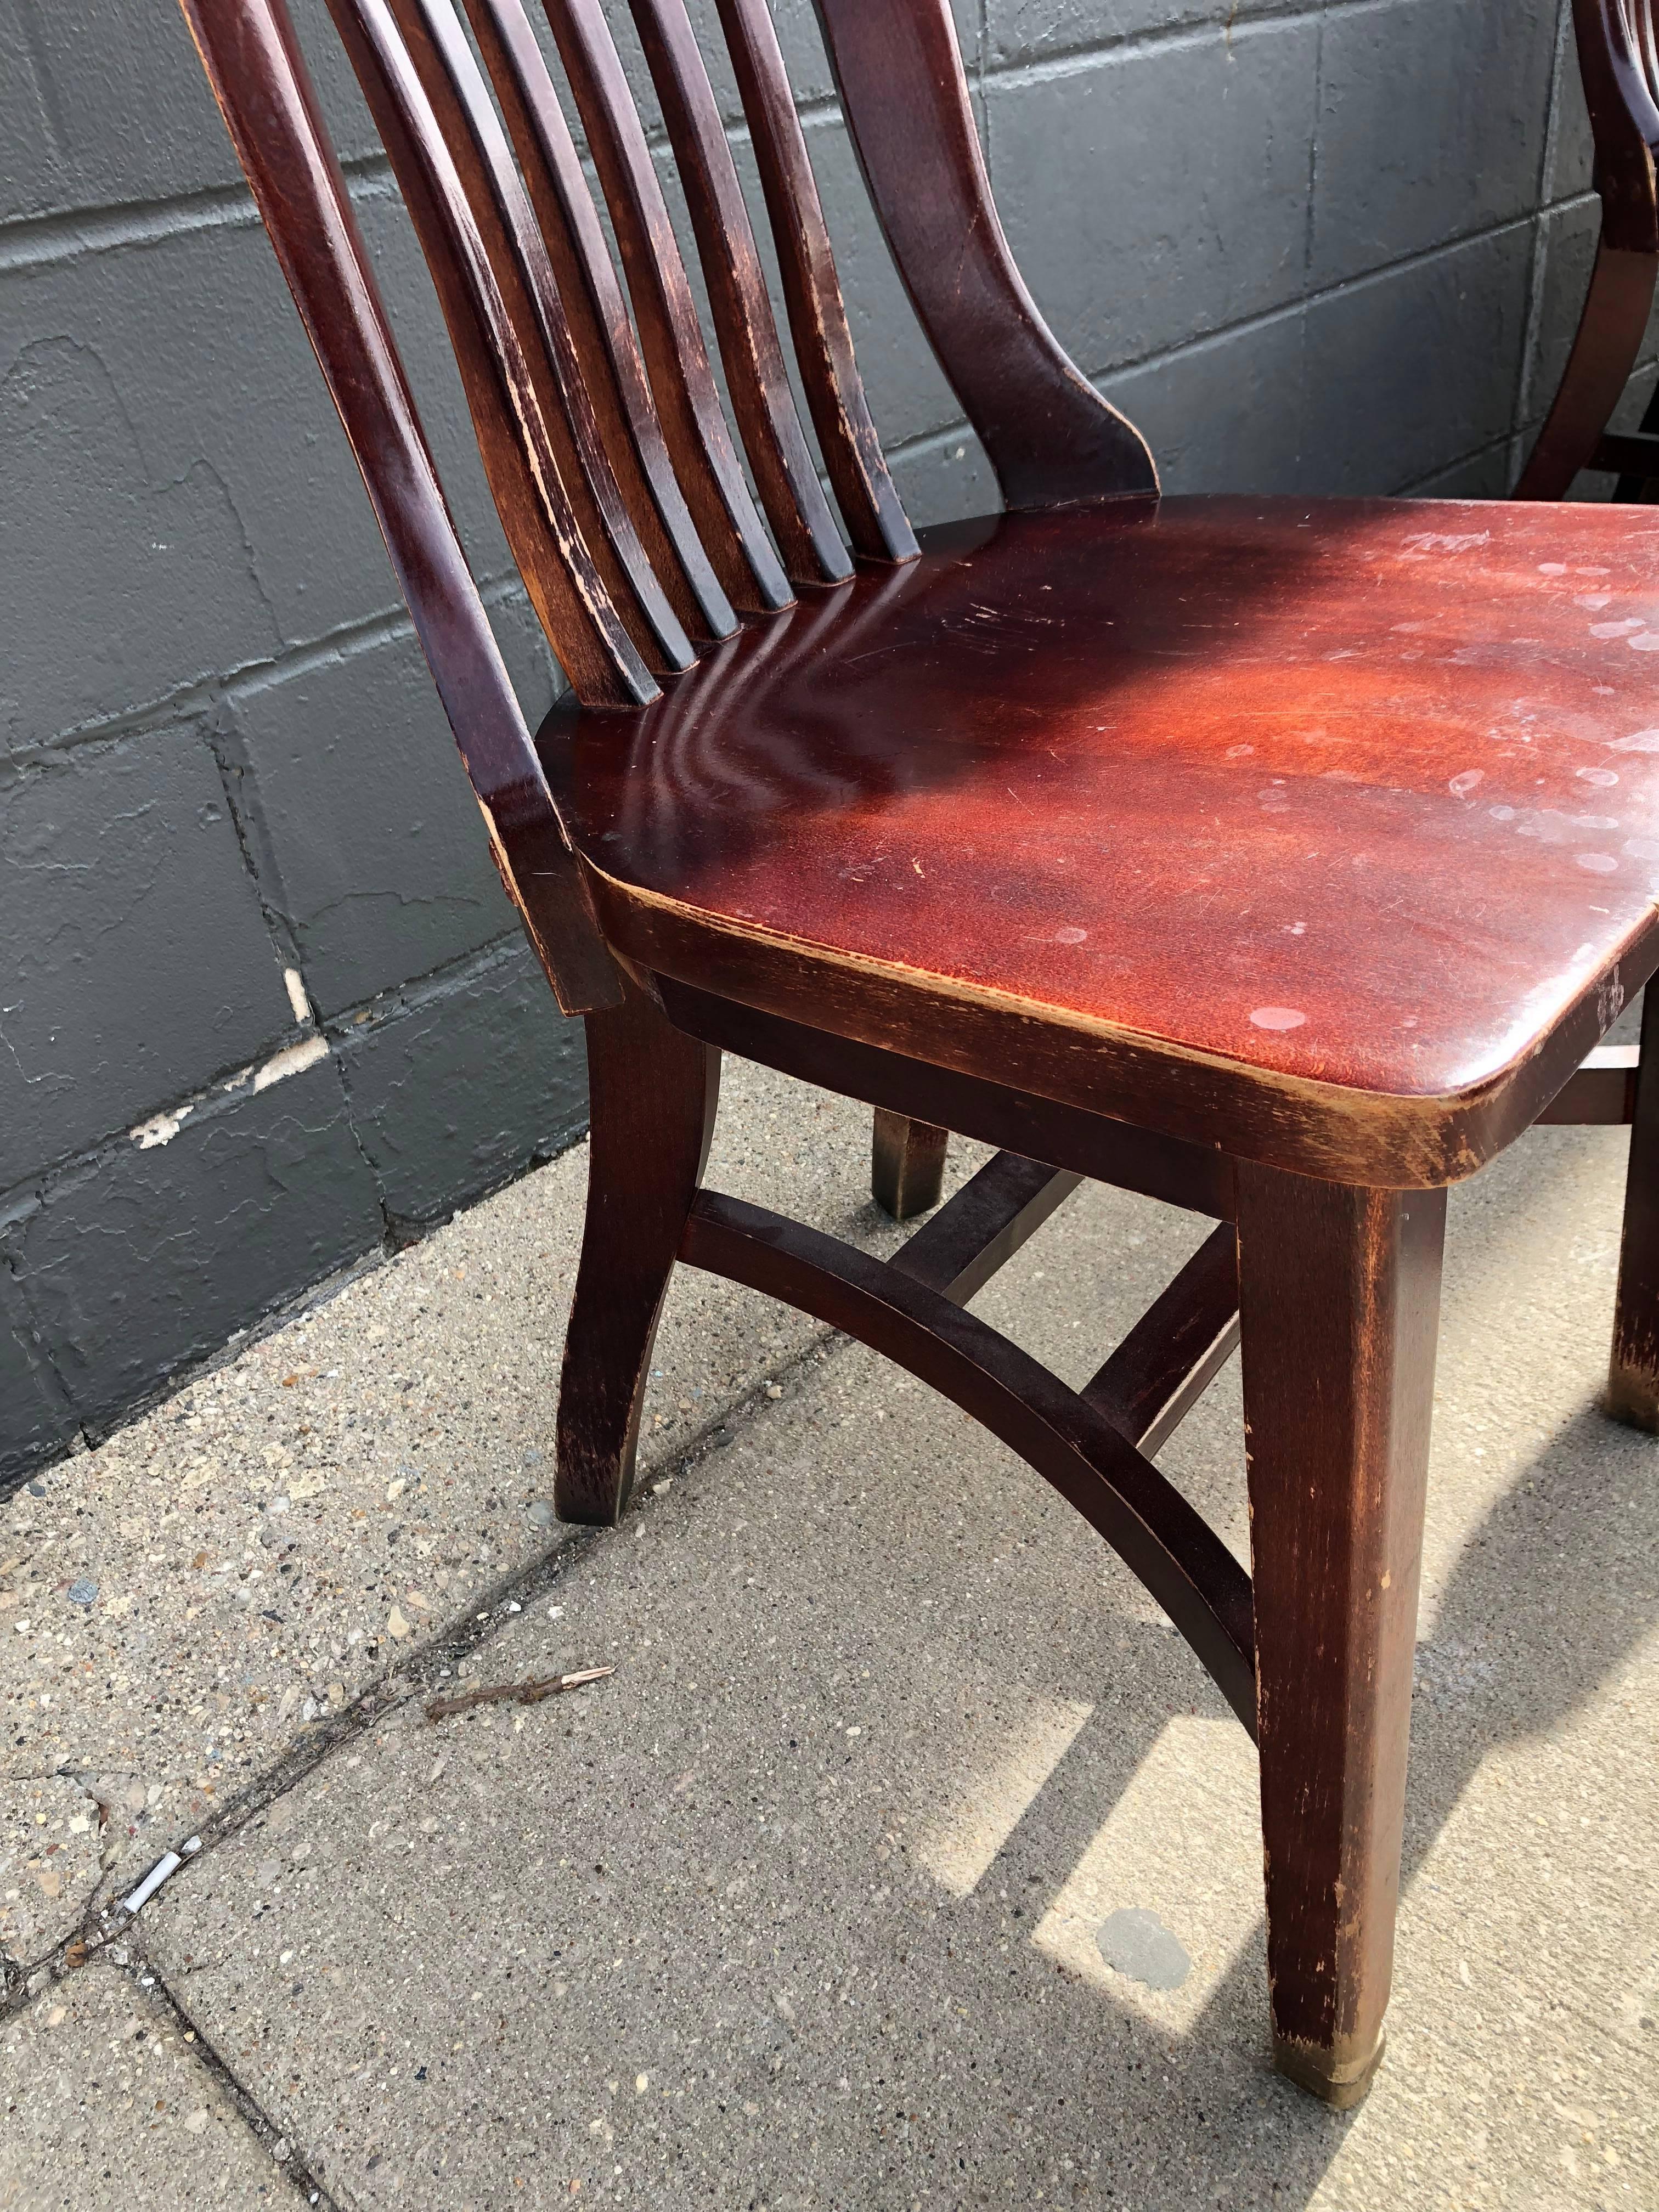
(263, 1006)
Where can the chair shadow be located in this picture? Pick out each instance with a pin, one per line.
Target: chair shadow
(1552, 1592)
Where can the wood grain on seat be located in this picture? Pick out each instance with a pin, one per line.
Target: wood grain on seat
(1360, 793)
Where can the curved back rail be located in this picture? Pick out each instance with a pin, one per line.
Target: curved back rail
(1618, 61)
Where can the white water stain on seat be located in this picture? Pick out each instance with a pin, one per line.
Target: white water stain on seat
(1181, 1847)
(958, 1847)
(1277, 1017)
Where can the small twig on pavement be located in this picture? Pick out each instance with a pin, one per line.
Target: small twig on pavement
(529, 1692)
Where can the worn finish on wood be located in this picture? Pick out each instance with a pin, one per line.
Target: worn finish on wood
(907, 1164)
(1208, 797)
(1616, 60)
(251, 60)
(1604, 1090)
(1180, 843)
(666, 314)
(476, 143)
(603, 335)
(655, 1093)
(993, 1213)
(764, 404)
(1194, 1576)
(1022, 1123)
(531, 495)
(1048, 434)
(876, 521)
(1176, 1350)
(1634, 1370)
(1340, 1293)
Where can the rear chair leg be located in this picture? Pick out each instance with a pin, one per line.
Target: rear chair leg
(907, 1164)
(653, 1092)
(1340, 1301)
(1633, 1372)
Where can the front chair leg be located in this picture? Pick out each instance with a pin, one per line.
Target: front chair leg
(1633, 1371)
(653, 1094)
(907, 1164)
(1340, 1301)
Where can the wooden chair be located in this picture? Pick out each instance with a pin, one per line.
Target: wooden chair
(1619, 65)
(1278, 859)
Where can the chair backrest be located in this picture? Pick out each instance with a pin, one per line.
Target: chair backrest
(1619, 65)
(608, 453)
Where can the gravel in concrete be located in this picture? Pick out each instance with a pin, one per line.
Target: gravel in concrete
(178, 1607)
(822, 1899)
(104, 2101)
(803, 1907)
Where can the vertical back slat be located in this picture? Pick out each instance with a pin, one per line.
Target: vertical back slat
(670, 335)
(472, 131)
(875, 517)
(564, 585)
(759, 382)
(602, 333)
(265, 94)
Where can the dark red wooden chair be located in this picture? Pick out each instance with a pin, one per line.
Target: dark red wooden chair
(1619, 65)
(1279, 859)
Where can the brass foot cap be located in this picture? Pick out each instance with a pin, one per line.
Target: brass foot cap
(1340, 2085)
(1633, 1398)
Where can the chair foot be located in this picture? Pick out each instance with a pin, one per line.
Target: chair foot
(653, 1091)
(1632, 1397)
(907, 1164)
(1340, 1293)
(1341, 2087)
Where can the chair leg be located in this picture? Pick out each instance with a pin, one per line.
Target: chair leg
(907, 1164)
(652, 1096)
(1634, 1370)
(1340, 1297)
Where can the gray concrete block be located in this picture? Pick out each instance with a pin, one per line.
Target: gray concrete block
(138, 965)
(1225, 415)
(1429, 117)
(1572, 151)
(400, 271)
(1567, 240)
(365, 835)
(1040, 30)
(101, 104)
(1478, 476)
(946, 479)
(36, 1423)
(179, 498)
(1409, 371)
(460, 1088)
(1160, 192)
(907, 390)
(147, 1260)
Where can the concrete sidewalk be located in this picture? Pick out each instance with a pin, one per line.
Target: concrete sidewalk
(905, 1859)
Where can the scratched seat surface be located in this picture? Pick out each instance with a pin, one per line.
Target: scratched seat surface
(1365, 792)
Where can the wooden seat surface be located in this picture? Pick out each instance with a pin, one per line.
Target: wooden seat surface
(1362, 792)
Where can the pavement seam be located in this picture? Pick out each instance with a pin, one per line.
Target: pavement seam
(139, 1968)
(97, 1929)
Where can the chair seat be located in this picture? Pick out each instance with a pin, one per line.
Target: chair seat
(1360, 793)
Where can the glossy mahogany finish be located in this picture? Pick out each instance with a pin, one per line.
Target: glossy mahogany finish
(1362, 793)
(1181, 845)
